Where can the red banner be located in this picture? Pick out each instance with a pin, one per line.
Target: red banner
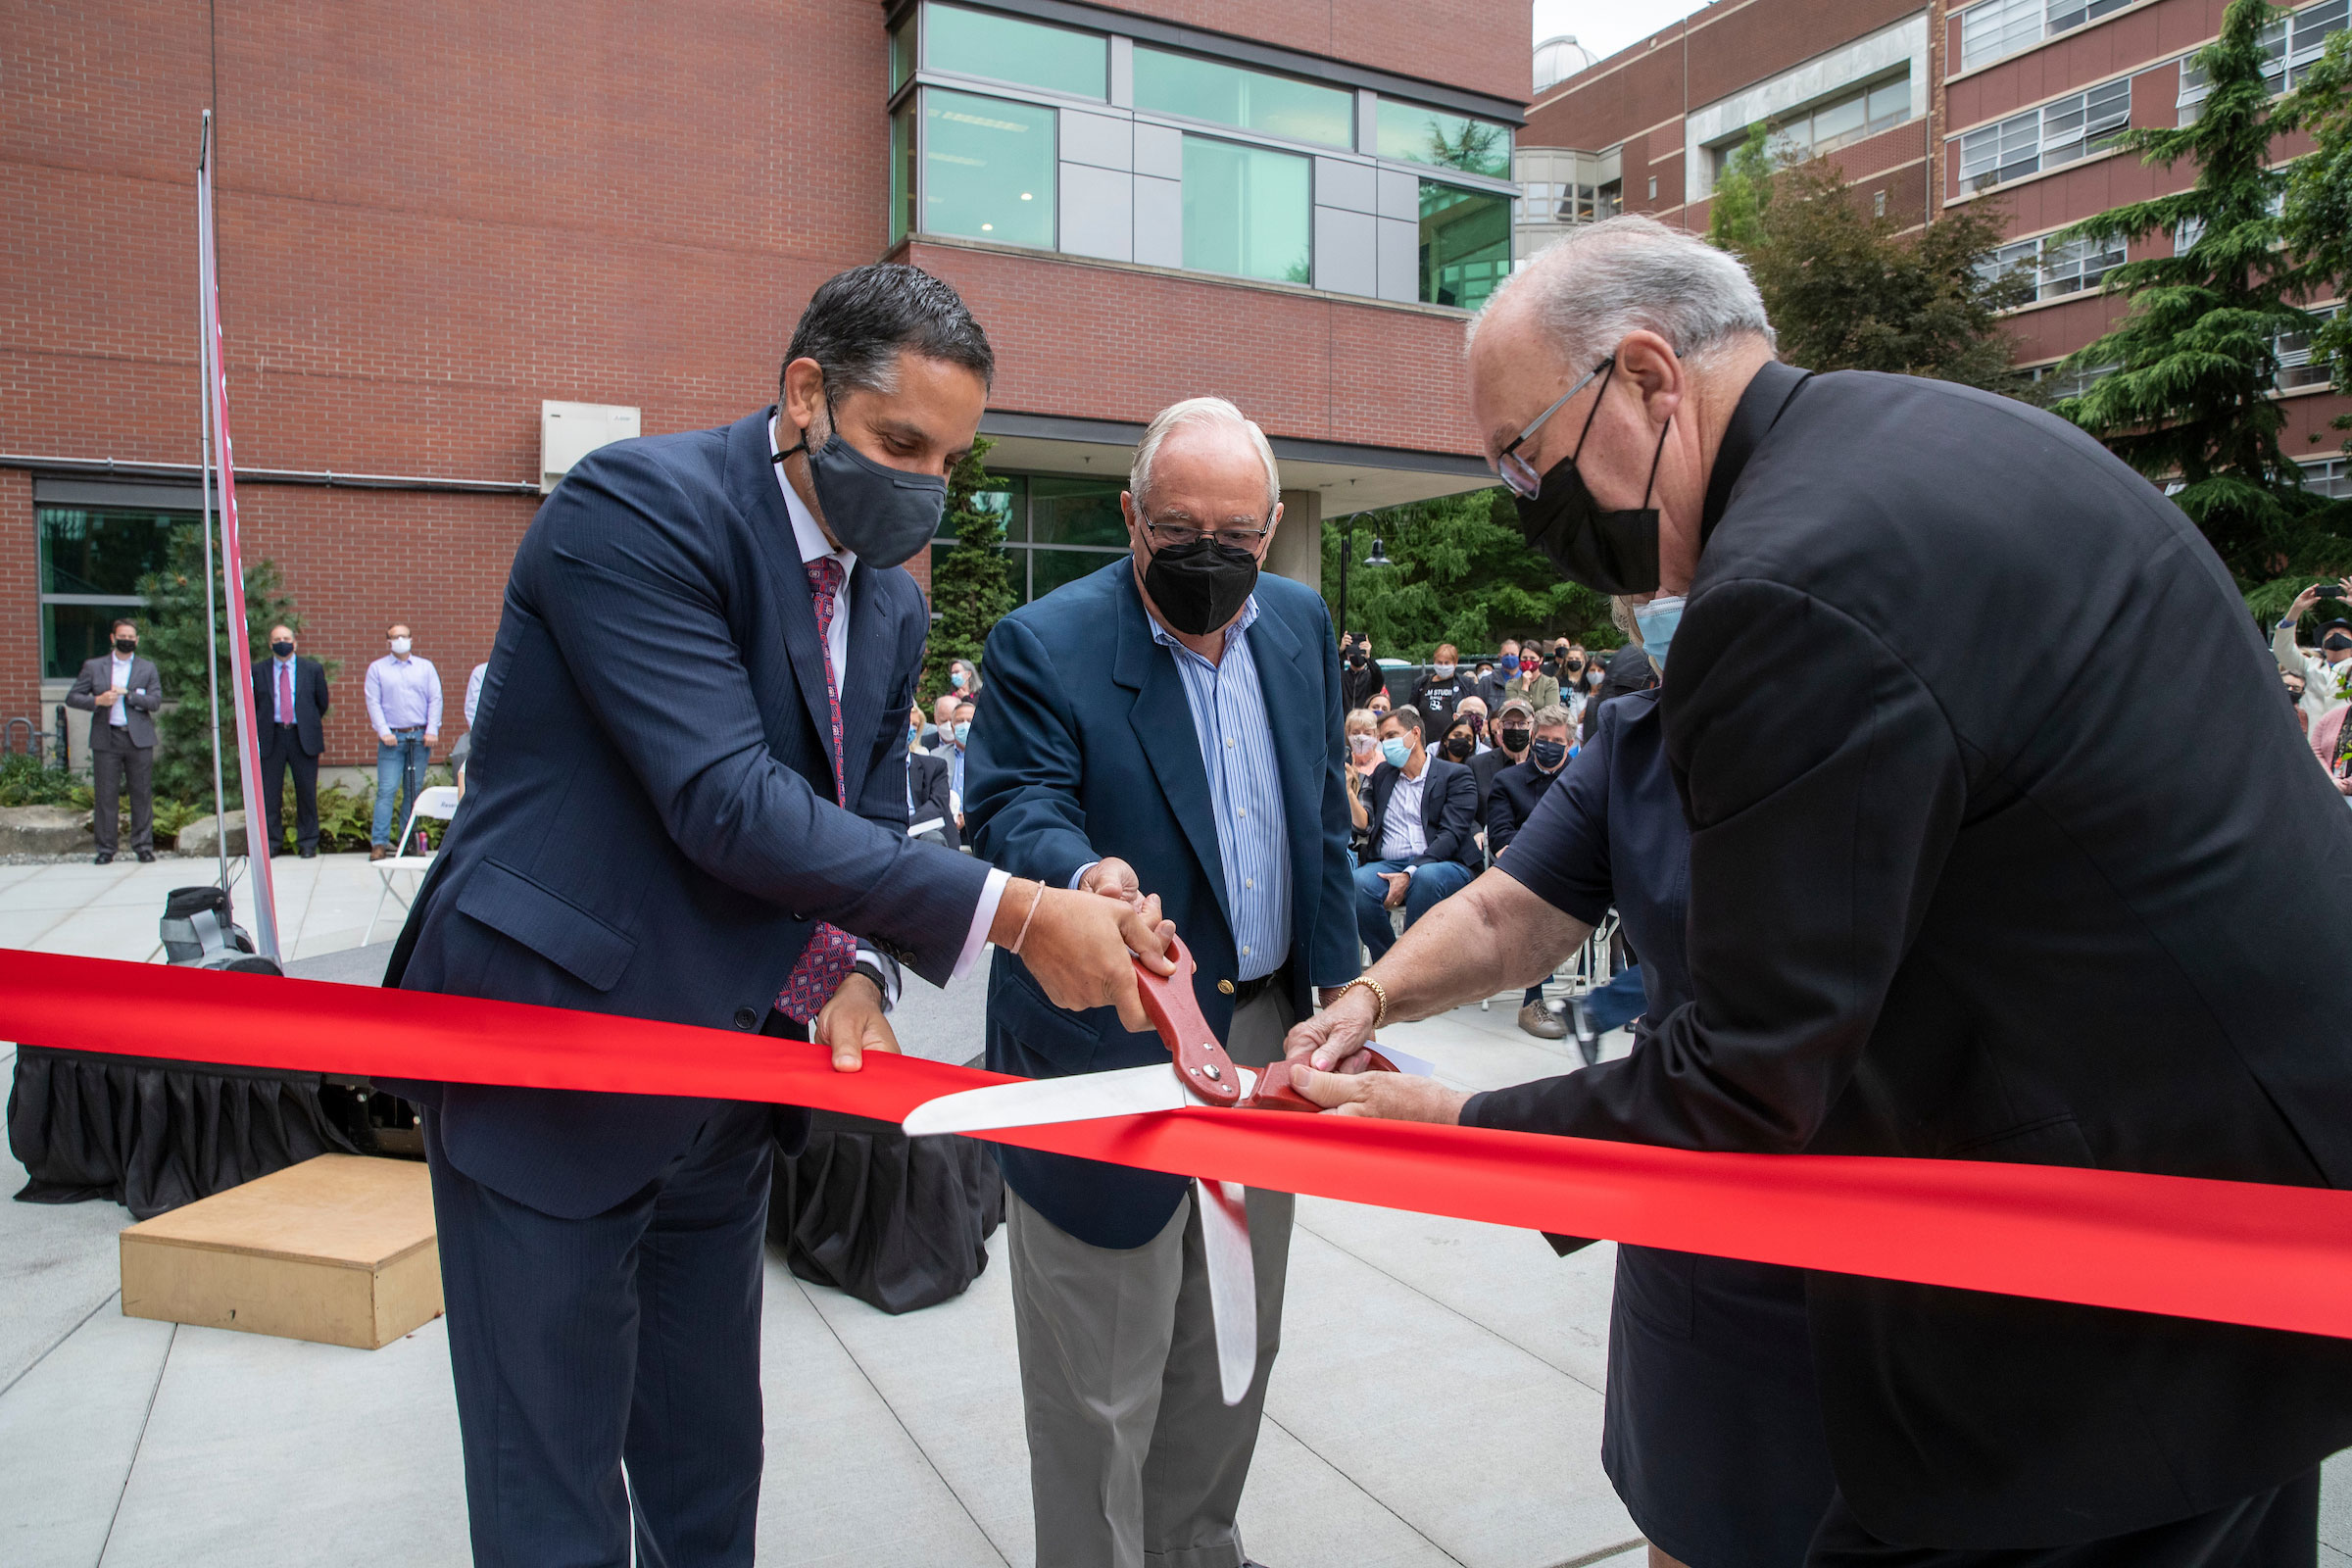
(2271, 1257)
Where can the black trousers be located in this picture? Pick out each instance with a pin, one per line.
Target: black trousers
(2272, 1530)
(607, 1369)
(286, 756)
(113, 760)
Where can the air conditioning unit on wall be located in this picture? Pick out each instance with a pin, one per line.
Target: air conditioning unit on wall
(569, 431)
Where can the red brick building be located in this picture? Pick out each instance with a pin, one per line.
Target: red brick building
(1928, 109)
(434, 219)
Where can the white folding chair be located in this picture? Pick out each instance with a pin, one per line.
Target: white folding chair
(439, 802)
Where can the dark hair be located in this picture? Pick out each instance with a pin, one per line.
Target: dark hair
(857, 322)
(1408, 715)
(118, 623)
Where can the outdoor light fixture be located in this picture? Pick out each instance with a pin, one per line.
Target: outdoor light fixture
(1378, 557)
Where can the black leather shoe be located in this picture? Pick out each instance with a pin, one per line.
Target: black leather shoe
(1587, 1040)
(105, 857)
(146, 857)
(311, 852)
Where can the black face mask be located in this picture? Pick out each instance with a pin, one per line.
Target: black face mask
(1200, 586)
(881, 514)
(1357, 658)
(1513, 739)
(126, 645)
(282, 650)
(2336, 642)
(1550, 755)
(1459, 748)
(1608, 552)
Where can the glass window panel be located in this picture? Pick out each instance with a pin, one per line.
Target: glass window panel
(1998, 28)
(1889, 103)
(1466, 244)
(977, 43)
(1834, 123)
(1256, 100)
(988, 169)
(85, 551)
(1419, 135)
(901, 173)
(1049, 569)
(1077, 512)
(902, 50)
(1246, 211)
(73, 634)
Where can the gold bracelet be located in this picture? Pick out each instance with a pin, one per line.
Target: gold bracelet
(1378, 996)
(1023, 935)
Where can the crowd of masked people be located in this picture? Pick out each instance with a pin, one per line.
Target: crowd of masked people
(1440, 783)
(2318, 680)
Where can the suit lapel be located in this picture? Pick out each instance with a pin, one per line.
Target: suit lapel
(1288, 681)
(757, 492)
(1162, 720)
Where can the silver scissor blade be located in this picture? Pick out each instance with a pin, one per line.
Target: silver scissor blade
(1232, 1282)
(1042, 1101)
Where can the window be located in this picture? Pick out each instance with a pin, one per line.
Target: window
(91, 561)
(903, 49)
(2329, 477)
(980, 43)
(2189, 230)
(1998, 28)
(1552, 201)
(2055, 134)
(2290, 46)
(1418, 135)
(2055, 384)
(901, 173)
(1653, 188)
(2296, 367)
(1466, 244)
(1247, 211)
(988, 169)
(1057, 528)
(1253, 100)
(2058, 268)
(1855, 112)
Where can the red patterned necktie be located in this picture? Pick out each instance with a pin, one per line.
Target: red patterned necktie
(825, 963)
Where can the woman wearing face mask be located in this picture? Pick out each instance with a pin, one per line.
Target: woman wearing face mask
(1531, 685)
(1461, 743)
(1363, 755)
(964, 678)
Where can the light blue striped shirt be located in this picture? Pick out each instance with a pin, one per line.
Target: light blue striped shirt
(1244, 792)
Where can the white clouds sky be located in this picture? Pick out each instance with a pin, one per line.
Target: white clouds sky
(1605, 26)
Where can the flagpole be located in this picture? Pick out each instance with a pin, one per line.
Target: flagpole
(204, 369)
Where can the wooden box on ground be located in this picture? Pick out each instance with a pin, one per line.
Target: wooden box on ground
(339, 1250)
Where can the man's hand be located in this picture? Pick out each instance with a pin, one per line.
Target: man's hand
(106, 699)
(1083, 947)
(1336, 1034)
(385, 736)
(2303, 602)
(853, 1023)
(432, 737)
(1399, 883)
(1389, 1095)
(1114, 878)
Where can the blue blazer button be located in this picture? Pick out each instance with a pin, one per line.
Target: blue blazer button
(745, 1017)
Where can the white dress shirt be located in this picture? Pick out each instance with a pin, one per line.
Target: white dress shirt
(812, 546)
(118, 713)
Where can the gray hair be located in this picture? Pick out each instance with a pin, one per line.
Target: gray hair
(1198, 410)
(1545, 717)
(1604, 281)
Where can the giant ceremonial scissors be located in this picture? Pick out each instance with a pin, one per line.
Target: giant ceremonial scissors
(1198, 1072)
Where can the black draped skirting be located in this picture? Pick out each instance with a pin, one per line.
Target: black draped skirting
(897, 1222)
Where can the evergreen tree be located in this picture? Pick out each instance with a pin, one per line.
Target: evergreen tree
(1736, 217)
(1463, 574)
(2315, 221)
(971, 589)
(172, 634)
(1847, 291)
(2188, 400)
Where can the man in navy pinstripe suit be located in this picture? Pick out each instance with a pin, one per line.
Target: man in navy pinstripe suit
(1168, 725)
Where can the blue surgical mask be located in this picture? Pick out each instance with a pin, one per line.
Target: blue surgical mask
(956, 679)
(914, 733)
(1395, 751)
(1657, 621)
(963, 732)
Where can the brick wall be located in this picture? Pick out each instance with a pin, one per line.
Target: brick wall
(1481, 45)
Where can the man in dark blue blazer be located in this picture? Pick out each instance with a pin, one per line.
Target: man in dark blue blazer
(1173, 721)
(696, 708)
(1426, 849)
(289, 716)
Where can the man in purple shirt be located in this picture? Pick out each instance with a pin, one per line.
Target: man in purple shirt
(404, 708)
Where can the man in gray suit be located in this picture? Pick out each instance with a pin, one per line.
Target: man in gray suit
(120, 692)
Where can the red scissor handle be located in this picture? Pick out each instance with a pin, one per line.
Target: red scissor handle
(1274, 1091)
(1175, 1013)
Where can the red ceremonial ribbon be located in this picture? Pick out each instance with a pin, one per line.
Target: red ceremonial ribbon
(2276, 1258)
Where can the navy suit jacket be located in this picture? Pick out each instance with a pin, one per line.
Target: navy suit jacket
(1085, 748)
(653, 829)
(310, 703)
(927, 787)
(1448, 811)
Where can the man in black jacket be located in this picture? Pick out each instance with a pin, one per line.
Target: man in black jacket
(289, 714)
(1953, 894)
(1424, 827)
(1360, 677)
(1513, 721)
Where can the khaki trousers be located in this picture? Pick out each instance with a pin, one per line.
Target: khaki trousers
(1134, 1459)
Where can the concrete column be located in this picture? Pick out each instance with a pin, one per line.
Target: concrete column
(1298, 549)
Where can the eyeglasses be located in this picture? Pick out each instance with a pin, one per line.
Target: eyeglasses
(1177, 535)
(1516, 470)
